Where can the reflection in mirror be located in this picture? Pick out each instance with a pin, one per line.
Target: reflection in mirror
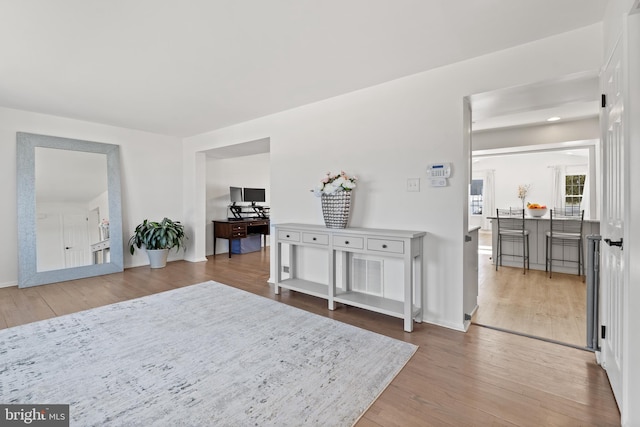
(69, 214)
(71, 205)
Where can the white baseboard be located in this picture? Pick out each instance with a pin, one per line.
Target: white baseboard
(8, 284)
(196, 260)
(449, 325)
(467, 323)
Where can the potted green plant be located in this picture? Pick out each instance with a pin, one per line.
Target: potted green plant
(158, 238)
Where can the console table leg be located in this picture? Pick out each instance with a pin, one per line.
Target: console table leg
(332, 280)
(408, 295)
(278, 266)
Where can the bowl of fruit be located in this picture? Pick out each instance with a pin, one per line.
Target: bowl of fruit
(535, 210)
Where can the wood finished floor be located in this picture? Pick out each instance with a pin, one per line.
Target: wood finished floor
(534, 304)
(479, 378)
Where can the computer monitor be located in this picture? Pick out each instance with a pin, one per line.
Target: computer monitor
(254, 195)
(235, 193)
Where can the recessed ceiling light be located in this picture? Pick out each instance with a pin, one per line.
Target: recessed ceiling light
(553, 119)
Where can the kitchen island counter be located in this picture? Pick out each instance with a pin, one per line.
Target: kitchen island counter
(537, 228)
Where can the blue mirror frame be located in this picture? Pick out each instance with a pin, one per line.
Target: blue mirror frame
(28, 275)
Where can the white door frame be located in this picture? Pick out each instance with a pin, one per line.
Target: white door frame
(630, 410)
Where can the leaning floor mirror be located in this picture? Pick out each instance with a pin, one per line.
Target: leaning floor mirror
(69, 209)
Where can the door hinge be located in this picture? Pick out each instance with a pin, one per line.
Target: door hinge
(603, 331)
(604, 100)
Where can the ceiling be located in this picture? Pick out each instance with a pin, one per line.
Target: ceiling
(567, 98)
(186, 67)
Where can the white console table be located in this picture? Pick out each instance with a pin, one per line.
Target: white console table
(101, 252)
(402, 244)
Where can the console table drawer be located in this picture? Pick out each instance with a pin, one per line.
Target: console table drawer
(315, 238)
(238, 227)
(239, 233)
(100, 245)
(386, 245)
(348, 242)
(289, 236)
(258, 222)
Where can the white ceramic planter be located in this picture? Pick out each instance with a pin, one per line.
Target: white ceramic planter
(158, 257)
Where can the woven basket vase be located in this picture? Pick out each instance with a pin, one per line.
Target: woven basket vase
(336, 209)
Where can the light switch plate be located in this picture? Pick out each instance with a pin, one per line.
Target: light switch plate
(413, 184)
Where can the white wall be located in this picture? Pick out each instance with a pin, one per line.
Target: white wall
(534, 169)
(386, 134)
(247, 171)
(151, 177)
(101, 202)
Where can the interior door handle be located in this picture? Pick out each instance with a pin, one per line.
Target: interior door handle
(614, 242)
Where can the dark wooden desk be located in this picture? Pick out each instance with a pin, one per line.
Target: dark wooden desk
(239, 229)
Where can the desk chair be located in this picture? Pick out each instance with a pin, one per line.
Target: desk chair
(511, 228)
(565, 228)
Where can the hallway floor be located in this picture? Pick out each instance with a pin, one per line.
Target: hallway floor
(532, 303)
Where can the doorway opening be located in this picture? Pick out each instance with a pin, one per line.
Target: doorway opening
(514, 144)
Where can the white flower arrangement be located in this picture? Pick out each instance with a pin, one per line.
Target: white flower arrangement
(334, 183)
(522, 191)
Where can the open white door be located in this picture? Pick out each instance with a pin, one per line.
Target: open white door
(76, 240)
(613, 221)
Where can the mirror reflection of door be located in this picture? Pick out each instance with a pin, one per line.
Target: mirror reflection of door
(71, 197)
(77, 251)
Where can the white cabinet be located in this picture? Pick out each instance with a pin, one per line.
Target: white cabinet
(101, 252)
(341, 244)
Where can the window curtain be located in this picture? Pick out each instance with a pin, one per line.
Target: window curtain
(488, 198)
(586, 199)
(557, 192)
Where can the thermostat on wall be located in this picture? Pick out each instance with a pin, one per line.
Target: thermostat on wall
(439, 170)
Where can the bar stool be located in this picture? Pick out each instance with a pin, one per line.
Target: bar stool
(565, 228)
(511, 228)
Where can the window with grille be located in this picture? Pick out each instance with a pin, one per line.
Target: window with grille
(475, 198)
(573, 187)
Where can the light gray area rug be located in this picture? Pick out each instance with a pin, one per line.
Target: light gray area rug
(203, 355)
